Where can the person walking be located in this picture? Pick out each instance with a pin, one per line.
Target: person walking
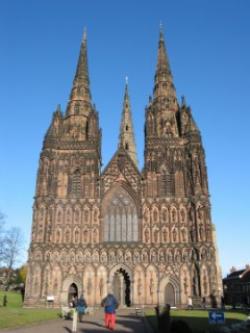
(110, 305)
(74, 315)
(81, 307)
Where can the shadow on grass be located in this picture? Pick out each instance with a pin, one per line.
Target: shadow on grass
(198, 324)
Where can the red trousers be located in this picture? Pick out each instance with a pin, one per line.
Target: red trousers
(110, 320)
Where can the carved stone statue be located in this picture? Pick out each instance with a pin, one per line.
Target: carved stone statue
(101, 286)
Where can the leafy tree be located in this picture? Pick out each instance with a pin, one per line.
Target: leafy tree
(21, 274)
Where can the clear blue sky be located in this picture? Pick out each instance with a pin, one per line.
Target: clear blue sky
(209, 50)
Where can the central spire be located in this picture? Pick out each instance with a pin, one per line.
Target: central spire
(80, 97)
(164, 88)
(127, 138)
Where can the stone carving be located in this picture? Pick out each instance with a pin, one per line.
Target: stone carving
(119, 217)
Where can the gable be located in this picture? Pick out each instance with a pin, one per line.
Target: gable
(121, 168)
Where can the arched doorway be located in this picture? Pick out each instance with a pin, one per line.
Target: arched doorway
(73, 292)
(121, 287)
(169, 296)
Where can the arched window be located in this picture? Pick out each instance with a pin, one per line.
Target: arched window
(76, 108)
(76, 183)
(120, 218)
(179, 184)
(166, 184)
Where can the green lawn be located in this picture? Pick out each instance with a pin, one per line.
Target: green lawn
(15, 316)
(197, 319)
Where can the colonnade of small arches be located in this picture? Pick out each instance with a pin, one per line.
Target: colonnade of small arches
(147, 284)
(112, 255)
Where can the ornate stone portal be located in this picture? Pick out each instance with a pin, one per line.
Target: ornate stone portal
(147, 236)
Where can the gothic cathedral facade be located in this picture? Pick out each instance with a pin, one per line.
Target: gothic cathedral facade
(147, 235)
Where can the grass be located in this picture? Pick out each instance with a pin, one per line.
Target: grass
(197, 319)
(15, 316)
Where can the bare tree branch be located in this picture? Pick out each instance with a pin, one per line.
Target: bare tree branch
(12, 251)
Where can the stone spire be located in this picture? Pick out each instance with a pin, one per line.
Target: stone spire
(127, 138)
(164, 89)
(80, 97)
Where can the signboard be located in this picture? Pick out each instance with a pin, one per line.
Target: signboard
(216, 317)
(50, 298)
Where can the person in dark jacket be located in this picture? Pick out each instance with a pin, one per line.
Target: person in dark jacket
(81, 307)
(110, 305)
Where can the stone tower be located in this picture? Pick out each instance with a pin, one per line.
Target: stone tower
(148, 235)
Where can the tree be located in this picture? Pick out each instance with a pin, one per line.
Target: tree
(21, 274)
(11, 251)
(1, 236)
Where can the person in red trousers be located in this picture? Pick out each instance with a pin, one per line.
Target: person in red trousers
(110, 305)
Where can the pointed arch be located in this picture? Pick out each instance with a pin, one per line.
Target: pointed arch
(120, 216)
(77, 214)
(173, 214)
(67, 235)
(179, 184)
(58, 235)
(183, 214)
(164, 214)
(165, 182)
(86, 215)
(68, 215)
(59, 215)
(205, 287)
(165, 235)
(76, 188)
(76, 235)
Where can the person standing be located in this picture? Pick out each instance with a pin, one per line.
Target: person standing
(75, 315)
(110, 305)
(190, 303)
(81, 307)
(5, 300)
(74, 324)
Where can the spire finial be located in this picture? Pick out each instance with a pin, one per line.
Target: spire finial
(84, 36)
(80, 97)
(126, 80)
(161, 32)
(183, 101)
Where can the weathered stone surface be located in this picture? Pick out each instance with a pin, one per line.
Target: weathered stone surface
(147, 235)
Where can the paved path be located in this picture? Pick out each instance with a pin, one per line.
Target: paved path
(126, 322)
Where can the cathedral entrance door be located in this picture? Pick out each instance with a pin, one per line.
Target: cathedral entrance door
(121, 287)
(73, 292)
(169, 294)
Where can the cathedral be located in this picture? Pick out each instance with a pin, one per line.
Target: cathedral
(144, 235)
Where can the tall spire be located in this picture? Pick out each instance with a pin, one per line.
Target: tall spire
(127, 138)
(164, 86)
(80, 97)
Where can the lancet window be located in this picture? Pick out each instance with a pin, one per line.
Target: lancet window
(120, 218)
(76, 183)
